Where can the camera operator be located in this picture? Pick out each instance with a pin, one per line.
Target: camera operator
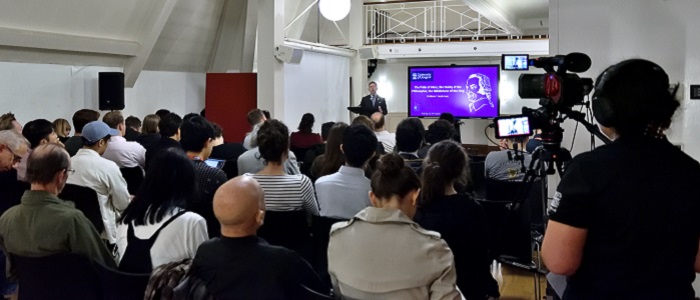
(625, 221)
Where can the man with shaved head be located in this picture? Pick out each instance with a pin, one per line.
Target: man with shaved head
(43, 224)
(240, 265)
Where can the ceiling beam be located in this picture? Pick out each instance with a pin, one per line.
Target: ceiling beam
(148, 37)
(235, 38)
(502, 18)
(12, 37)
(304, 8)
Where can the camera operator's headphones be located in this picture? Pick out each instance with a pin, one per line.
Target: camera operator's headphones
(603, 109)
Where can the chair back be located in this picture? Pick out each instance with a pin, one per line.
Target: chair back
(320, 230)
(59, 276)
(85, 200)
(288, 229)
(134, 178)
(117, 285)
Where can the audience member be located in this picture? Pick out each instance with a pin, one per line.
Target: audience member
(457, 137)
(305, 138)
(80, 119)
(162, 112)
(410, 135)
(150, 134)
(255, 119)
(203, 113)
(62, 128)
(283, 192)
(239, 264)
(12, 147)
(229, 152)
(101, 175)
(189, 116)
(387, 139)
(124, 153)
(43, 224)
(343, 194)
(155, 228)
(316, 150)
(266, 113)
(9, 122)
(251, 161)
(507, 164)
(37, 132)
(439, 130)
(624, 221)
(333, 158)
(457, 217)
(133, 128)
(169, 128)
(197, 137)
(534, 142)
(391, 256)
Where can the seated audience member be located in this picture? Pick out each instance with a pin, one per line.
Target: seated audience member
(459, 219)
(230, 152)
(197, 138)
(9, 122)
(189, 116)
(62, 128)
(162, 112)
(169, 128)
(305, 138)
(155, 228)
(12, 147)
(150, 134)
(133, 128)
(343, 194)
(410, 135)
(124, 153)
(255, 119)
(534, 142)
(80, 119)
(251, 161)
(457, 137)
(283, 192)
(367, 122)
(43, 224)
(387, 139)
(331, 160)
(37, 132)
(381, 253)
(316, 150)
(439, 130)
(238, 264)
(102, 175)
(506, 164)
(622, 225)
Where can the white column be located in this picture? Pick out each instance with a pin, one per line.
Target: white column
(358, 67)
(270, 70)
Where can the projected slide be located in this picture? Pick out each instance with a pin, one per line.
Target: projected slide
(464, 91)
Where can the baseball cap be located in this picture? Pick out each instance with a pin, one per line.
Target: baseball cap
(97, 130)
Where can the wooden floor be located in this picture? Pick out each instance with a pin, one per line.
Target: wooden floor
(517, 284)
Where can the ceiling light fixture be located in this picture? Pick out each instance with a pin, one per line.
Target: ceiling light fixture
(334, 10)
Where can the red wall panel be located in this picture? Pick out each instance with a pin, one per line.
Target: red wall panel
(228, 98)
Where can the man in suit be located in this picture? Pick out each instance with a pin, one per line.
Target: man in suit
(373, 102)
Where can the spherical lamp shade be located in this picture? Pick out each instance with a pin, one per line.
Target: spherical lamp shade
(334, 10)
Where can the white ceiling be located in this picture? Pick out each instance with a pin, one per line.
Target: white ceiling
(170, 35)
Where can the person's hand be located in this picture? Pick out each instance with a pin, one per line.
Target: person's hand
(380, 109)
(503, 144)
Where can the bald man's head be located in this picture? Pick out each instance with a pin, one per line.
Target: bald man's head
(239, 205)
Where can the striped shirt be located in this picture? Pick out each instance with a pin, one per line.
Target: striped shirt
(287, 192)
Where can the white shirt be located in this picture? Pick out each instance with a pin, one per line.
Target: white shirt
(177, 241)
(250, 140)
(104, 177)
(126, 154)
(387, 139)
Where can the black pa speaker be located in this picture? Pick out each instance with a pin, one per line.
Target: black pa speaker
(111, 90)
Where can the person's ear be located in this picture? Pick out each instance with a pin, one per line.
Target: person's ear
(43, 141)
(414, 197)
(342, 149)
(373, 199)
(260, 217)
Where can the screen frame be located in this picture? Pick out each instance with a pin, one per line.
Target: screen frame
(497, 134)
(498, 92)
(503, 62)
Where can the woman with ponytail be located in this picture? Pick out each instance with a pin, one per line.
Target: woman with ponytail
(381, 253)
(457, 217)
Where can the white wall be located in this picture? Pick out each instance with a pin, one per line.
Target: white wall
(33, 91)
(392, 79)
(320, 85)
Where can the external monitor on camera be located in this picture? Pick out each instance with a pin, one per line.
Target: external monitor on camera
(515, 62)
(512, 126)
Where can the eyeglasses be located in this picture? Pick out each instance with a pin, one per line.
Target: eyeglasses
(15, 158)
